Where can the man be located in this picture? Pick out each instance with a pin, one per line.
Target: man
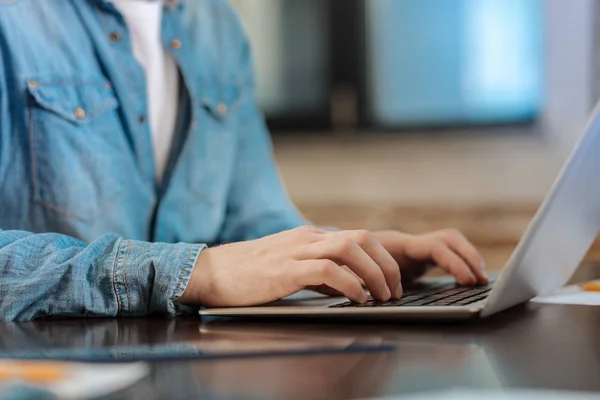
(139, 118)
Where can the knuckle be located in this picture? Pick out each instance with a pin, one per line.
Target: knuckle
(347, 246)
(326, 268)
(301, 252)
(438, 248)
(307, 232)
(452, 233)
(363, 236)
(305, 229)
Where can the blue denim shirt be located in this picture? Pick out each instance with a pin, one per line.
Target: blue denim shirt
(86, 230)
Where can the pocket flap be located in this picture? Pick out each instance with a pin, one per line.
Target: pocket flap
(76, 101)
(220, 99)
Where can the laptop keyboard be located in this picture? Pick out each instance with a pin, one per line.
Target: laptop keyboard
(430, 295)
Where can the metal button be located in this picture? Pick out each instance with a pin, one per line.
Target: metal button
(176, 43)
(79, 113)
(142, 119)
(114, 37)
(222, 107)
(33, 84)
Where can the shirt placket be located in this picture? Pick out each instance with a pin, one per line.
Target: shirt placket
(135, 91)
(174, 41)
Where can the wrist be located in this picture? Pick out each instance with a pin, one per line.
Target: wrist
(193, 292)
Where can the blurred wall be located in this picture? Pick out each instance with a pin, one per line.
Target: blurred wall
(570, 74)
(501, 166)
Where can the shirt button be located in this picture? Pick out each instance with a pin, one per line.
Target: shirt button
(79, 113)
(176, 43)
(33, 84)
(114, 37)
(142, 119)
(222, 107)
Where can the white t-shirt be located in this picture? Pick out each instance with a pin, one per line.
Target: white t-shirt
(162, 78)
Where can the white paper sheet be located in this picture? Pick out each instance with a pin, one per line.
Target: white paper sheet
(570, 295)
(580, 298)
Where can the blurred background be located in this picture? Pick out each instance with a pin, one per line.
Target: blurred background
(424, 114)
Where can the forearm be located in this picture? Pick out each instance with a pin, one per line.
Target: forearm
(56, 275)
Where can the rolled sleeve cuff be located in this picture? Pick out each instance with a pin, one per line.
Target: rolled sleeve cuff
(182, 281)
(149, 277)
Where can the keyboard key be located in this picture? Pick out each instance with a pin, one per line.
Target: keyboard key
(470, 300)
(443, 302)
(439, 295)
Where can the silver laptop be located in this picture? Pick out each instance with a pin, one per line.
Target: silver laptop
(552, 247)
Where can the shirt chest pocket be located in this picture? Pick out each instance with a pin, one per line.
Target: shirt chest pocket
(77, 151)
(214, 142)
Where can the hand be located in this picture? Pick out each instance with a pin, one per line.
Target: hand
(415, 254)
(276, 266)
(448, 249)
(259, 271)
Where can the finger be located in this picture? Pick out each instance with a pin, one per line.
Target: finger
(348, 252)
(362, 282)
(332, 292)
(458, 243)
(421, 248)
(388, 265)
(453, 264)
(379, 254)
(326, 272)
(326, 290)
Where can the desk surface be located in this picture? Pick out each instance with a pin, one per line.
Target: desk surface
(533, 346)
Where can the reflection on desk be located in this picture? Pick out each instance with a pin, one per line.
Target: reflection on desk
(211, 342)
(531, 346)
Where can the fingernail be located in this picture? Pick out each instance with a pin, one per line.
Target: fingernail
(398, 292)
(482, 268)
(364, 297)
(387, 294)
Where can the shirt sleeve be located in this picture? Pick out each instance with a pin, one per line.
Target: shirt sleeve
(56, 275)
(258, 204)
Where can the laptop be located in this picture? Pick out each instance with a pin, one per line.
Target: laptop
(550, 250)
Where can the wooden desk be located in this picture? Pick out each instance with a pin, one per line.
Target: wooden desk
(533, 346)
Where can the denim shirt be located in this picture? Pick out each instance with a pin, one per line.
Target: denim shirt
(86, 230)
